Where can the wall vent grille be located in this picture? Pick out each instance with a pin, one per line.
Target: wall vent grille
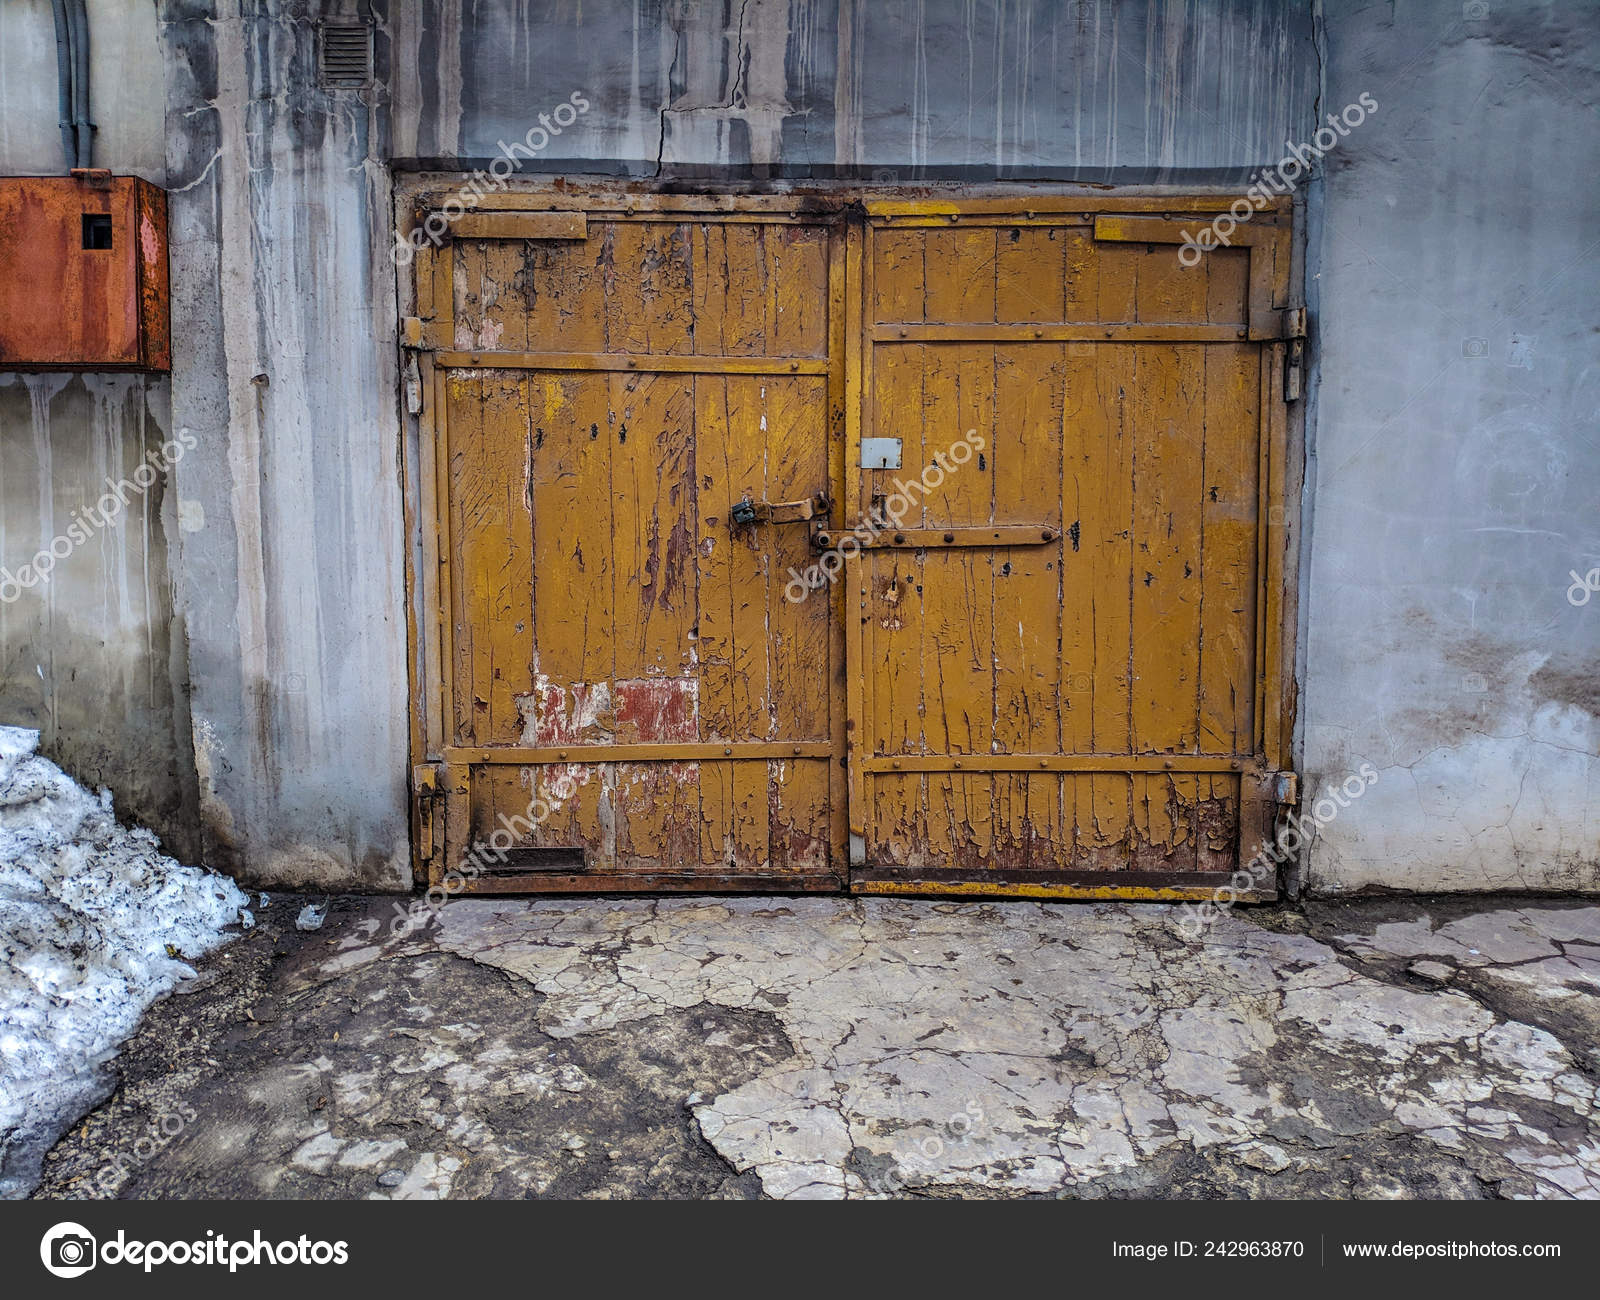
(346, 54)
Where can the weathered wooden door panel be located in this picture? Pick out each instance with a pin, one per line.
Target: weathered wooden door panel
(1085, 703)
(634, 703)
(1061, 669)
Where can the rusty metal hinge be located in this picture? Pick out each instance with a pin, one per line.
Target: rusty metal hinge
(413, 384)
(1294, 355)
(1286, 789)
(427, 794)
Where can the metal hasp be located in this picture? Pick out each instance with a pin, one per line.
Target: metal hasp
(83, 273)
(747, 512)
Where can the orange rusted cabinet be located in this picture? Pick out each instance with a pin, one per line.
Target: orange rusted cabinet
(83, 274)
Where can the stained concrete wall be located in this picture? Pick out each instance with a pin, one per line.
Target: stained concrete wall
(284, 366)
(94, 657)
(91, 654)
(1136, 90)
(1457, 449)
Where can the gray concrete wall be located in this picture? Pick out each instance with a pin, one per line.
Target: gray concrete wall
(284, 366)
(1456, 451)
(1136, 90)
(128, 101)
(94, 656)
(90, 652)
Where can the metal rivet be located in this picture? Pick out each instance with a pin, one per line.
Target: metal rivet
(1044, 762)
(949, 537)
(899, 537)
(794, 365)
(903, 333)
(561, 753)
(1038, 334)
(958, 762)
(1047, 535)
(727, 749)
(797, 749)
(896, 763)
(1167, 765)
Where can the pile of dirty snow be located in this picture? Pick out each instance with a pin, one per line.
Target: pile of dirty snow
(94, 924)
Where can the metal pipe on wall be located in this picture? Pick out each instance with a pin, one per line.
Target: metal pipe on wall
(78, 17)
(64, 82)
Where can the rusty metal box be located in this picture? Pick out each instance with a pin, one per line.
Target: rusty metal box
(83, 273)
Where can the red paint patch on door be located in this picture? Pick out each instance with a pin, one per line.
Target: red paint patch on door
(657, 710)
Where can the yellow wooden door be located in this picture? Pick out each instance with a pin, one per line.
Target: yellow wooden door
(1065, 673)
(630, 703)
(915, 546)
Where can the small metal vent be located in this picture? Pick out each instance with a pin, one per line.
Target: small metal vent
(346, 54)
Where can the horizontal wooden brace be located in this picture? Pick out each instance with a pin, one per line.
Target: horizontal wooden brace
(621, 203)
(1142, 763)
(908, 332)
(519, 225)
(976, 887)
(599, 879)
(1024, 204)
(1156, 230)
(906, 539)
(684, 752)
(644, 363)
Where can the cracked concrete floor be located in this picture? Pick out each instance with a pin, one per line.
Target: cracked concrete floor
(829, 1047)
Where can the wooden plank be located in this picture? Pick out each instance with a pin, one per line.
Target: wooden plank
(1114, 331)
(653, 496)
(1153, 764)
(1023, 204)
(1030, 275)
(574, 630)
(642, 362)
(484, 224)
(1026, 460)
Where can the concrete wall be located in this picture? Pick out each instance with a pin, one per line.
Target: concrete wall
(284, 366)
(1456, 451)
(94, 657)
(1135, 90)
